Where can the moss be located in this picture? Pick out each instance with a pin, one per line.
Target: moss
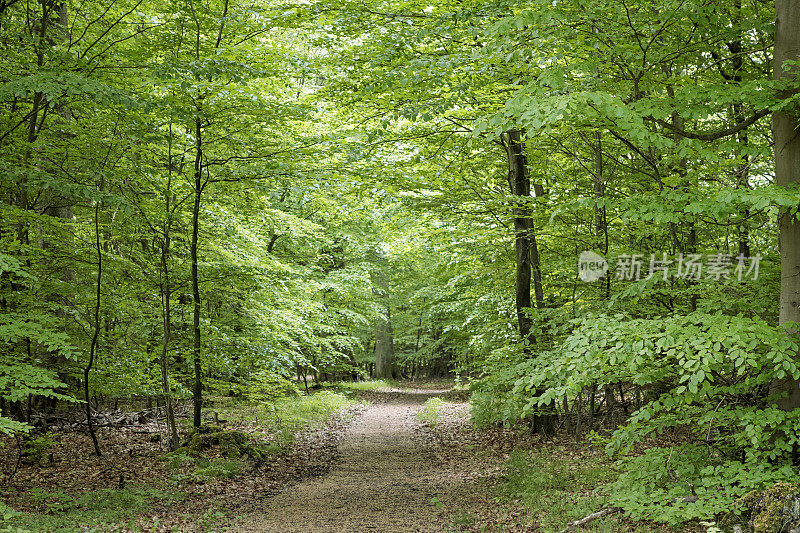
(231, 443)
(774, 510)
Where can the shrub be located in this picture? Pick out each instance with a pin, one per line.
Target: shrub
(35, 449)
(708, 376)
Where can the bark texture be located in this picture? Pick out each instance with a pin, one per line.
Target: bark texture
(787, 172)
(527, 251)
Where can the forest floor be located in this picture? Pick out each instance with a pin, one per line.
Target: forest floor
(407, 459)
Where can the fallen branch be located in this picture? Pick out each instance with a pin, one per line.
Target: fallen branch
(594, 516)
(611, 510)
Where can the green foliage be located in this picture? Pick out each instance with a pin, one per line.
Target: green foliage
(669, 477)
(103, 509)
(279, 420)
(708, 377)
(35, 449)
(560, 485)
(268, 387)
(7, 513)
(349, 165)
(294, 414)
(486, 409)
(20, 378)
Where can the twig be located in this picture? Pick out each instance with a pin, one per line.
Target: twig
(589, 518)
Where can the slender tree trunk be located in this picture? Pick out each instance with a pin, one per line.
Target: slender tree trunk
(419, 332)
(600, 216)
(96, 335)
(197, 391)
(527, 251)
(742, 170)
(601, 240)
(787, 172)
(166, 294)
(527, 257)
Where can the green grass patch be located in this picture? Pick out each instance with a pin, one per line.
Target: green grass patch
(199, 469)
(281, 419)
(431, 412)
(101, 510)
(302, 412)
(373, 384)
(559, 485)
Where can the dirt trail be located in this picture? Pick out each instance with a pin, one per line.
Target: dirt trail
(387, 478)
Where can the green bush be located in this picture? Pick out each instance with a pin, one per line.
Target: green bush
(35, 449)
(707, 377)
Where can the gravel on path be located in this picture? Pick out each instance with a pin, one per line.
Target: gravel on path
(388, 478)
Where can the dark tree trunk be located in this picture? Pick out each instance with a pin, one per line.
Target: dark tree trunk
(600, 217)
(601, 242)
(197, 391)
(527, 251)
(166, 294)
(96, 335)
(527, 258)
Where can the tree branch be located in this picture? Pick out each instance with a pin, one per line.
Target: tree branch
(713, 136)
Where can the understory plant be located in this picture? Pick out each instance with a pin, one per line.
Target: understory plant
(707, 431)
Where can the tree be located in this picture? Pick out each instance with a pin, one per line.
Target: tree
(527, 251)
(785, 123)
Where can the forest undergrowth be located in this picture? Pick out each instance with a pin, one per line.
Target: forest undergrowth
(54, 483)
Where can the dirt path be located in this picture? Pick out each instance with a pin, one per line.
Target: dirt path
(388, 478)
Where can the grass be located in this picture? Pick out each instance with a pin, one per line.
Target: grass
(280, 420)
(101, 510)
(373, 384)
(558, 485)
(431, 412)
(185, 468)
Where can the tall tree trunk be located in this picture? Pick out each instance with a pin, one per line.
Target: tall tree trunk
(419, 333)
(787, 172)
(527, 251)
(601, 240)
(166, 294)
(96, 335)
(681, 169)
(600, 216)
(385, 367)
(527, 257)
(197, 391)
(742, 170)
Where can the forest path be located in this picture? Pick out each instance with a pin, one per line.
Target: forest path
(388, 477)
